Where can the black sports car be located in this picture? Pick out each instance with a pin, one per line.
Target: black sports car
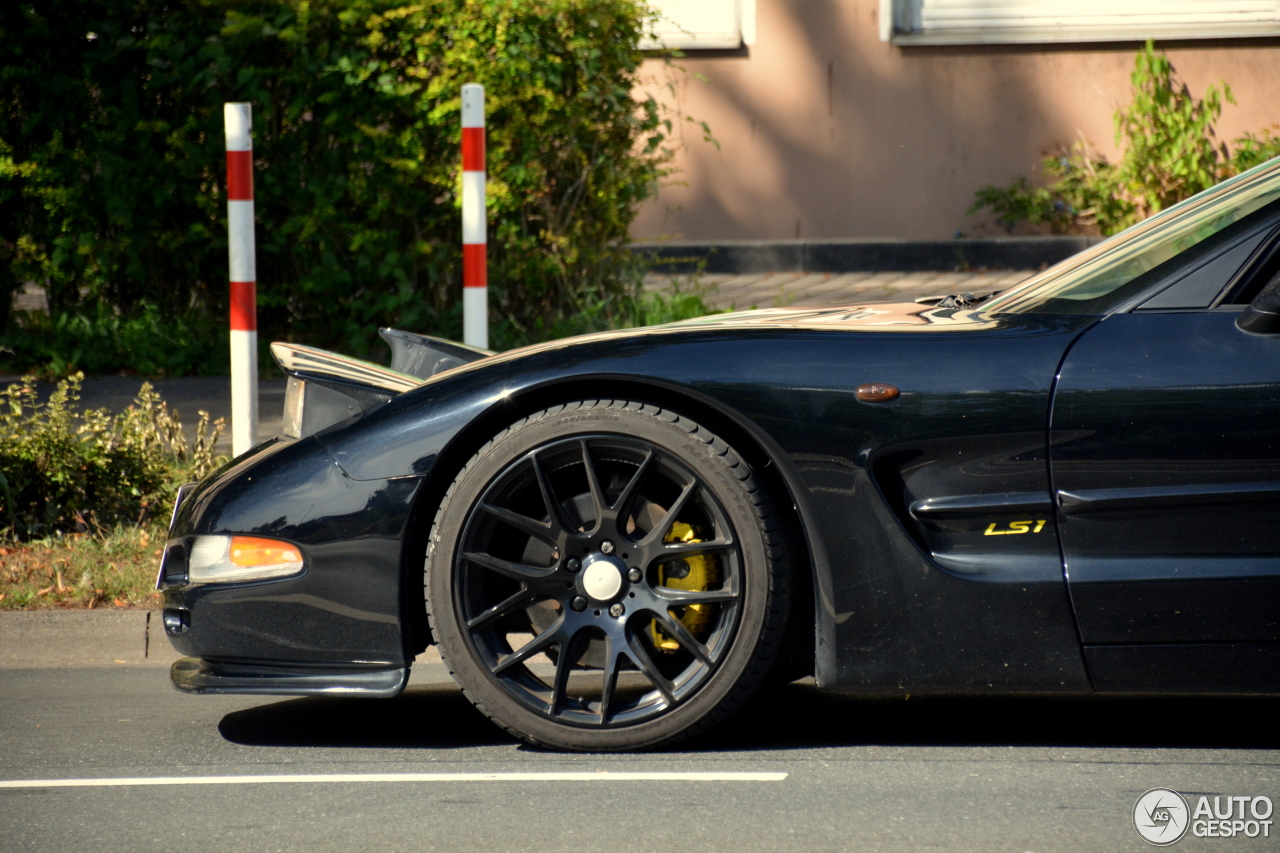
(1070, 486)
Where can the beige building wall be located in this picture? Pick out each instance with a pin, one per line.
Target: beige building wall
(827, 132)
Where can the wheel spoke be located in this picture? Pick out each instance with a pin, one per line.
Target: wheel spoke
(539, 643)
(678, 549)
(669, 517)
(693, 596)
(677, 631)
(521, 599)
(570, 651)
(523, 523)
(598, 499)
(558, 523)
(612, 656)
(517, 571)
(645, 664)
(622, 504)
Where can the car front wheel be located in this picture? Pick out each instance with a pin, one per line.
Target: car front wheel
(606, 575)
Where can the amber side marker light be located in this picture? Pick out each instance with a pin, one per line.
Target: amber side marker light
(235, 559)
(876, 392)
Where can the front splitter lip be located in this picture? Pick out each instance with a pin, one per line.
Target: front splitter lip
(202, 676)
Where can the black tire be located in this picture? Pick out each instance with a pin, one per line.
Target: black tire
(691, 629)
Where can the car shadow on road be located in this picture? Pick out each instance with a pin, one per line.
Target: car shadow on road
(431, 716)
(799, 716)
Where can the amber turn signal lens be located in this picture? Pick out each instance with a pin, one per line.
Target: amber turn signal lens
(876, 392)
(251, 551)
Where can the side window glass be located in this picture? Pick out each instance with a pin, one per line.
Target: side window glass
(1200, 285)
(1261, 269)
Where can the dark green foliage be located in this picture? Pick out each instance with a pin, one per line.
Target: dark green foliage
(112, 164)
(1170, 152)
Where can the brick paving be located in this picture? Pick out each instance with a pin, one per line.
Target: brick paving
(782, 289)
(785, 289)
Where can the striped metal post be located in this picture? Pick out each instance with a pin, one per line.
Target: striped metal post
(475, 274)
(244, 278)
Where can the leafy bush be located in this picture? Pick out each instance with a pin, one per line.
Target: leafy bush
(111, 161)
(63, 470)
(1170, 152)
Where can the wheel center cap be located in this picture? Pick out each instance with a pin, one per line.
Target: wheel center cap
(602, 576)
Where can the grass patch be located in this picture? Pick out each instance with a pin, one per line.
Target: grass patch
(79, 570)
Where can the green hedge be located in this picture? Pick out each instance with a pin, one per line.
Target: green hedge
(112, 167)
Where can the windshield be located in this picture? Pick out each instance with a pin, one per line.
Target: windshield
(1100, 278)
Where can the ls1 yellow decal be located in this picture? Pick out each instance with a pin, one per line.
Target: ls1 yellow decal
(1016, 527)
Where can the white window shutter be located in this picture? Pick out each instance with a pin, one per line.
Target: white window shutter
(995, 21)
(694, 24)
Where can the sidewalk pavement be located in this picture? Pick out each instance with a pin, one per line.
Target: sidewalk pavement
(815, 290)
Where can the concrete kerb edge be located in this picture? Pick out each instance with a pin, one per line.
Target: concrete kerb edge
(44, 639)
(74, 638)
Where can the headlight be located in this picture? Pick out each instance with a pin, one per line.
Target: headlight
(234, 559)
(294, 393)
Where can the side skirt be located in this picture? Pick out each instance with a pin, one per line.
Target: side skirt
(193, 675)
(1185, 668)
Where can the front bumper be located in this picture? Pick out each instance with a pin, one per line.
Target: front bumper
(342, 615)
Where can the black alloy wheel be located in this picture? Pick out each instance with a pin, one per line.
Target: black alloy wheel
(606, 575)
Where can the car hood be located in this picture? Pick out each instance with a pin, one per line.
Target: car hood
(869, 318)
(881, 316)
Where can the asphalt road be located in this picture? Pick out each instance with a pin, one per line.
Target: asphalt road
(982, 775)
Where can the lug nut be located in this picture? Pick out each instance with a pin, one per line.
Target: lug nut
(634, 575)
(617, 610)
(606, 547)
(579, 603)
(573, 564)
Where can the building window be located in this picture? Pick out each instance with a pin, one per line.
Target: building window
(1010, 21)
(702, 25)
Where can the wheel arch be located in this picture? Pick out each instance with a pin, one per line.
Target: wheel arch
(767, 461)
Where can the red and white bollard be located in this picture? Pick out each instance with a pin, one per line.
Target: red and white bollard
(475, 273)
(244, 277)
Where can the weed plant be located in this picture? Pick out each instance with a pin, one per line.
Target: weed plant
(1170, 152)
(64, 470)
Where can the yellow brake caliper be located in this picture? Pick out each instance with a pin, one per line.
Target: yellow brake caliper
(694, 573)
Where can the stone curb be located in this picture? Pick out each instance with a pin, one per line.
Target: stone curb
(38, 639)
(47, 639)
(737, 257)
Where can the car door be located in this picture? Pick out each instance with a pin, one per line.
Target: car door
(1165, 462)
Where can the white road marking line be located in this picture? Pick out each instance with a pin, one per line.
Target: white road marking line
(604, 776)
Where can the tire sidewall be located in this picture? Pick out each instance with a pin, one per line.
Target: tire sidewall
(694, 450)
